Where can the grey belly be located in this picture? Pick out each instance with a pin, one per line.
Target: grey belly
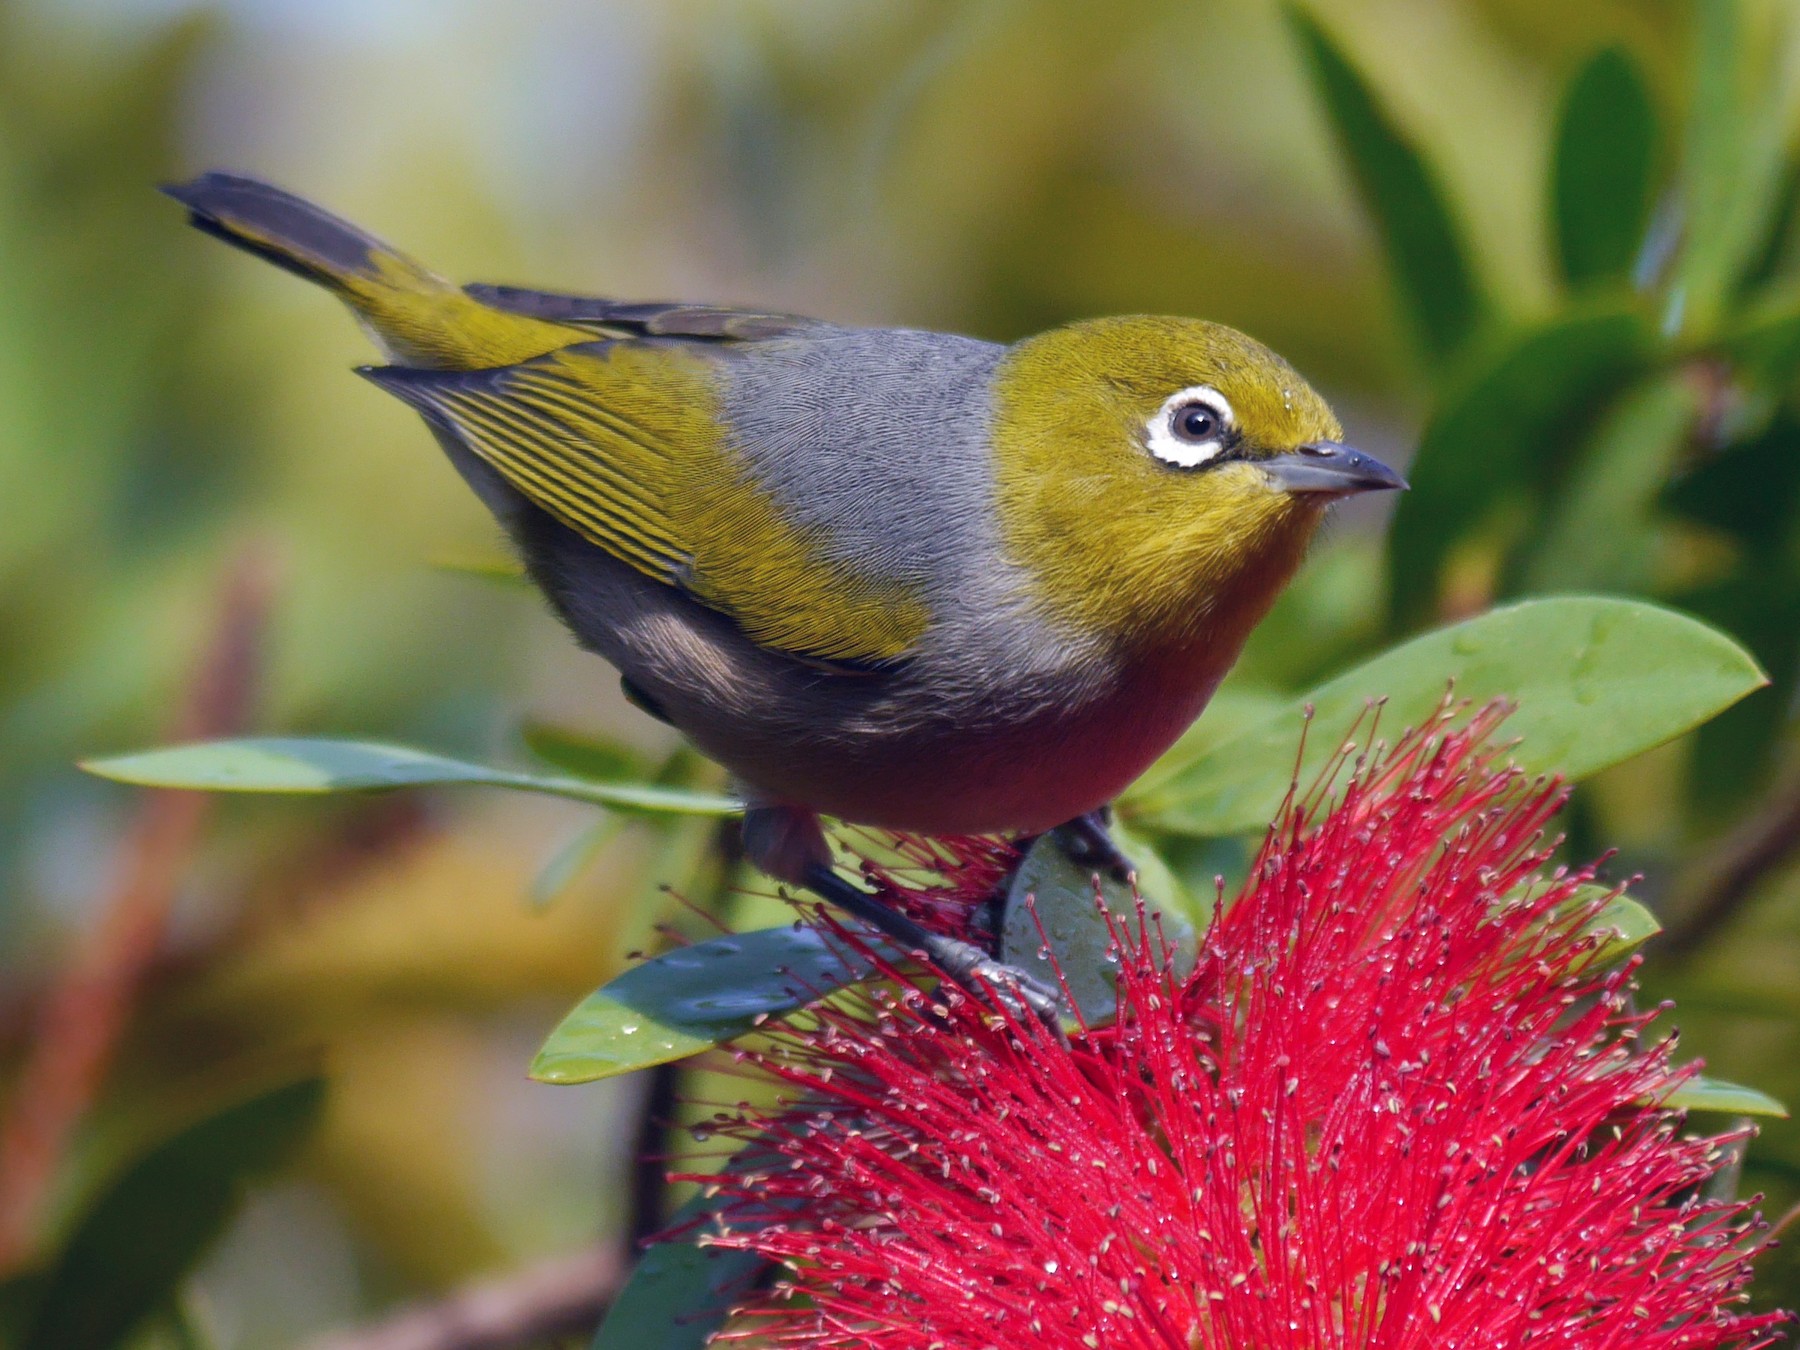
(953, 742)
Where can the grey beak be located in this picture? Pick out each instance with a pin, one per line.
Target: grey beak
(1330, 467)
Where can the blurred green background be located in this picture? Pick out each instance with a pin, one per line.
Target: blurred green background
(1551, 247)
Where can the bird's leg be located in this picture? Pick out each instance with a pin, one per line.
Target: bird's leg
(1088, 843)
(982, 975)
(788, 844)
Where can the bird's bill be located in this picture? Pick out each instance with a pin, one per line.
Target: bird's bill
(1330, 467)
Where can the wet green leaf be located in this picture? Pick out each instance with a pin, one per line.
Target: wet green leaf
(135, 1242)
(1715, 1094)
(1596, 681)
(1053, 923)
(1492, 439)
(307, 765)
(1605, 157)
(692, 999)
(1424, 246)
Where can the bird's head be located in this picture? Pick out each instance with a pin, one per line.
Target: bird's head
(1159, 478)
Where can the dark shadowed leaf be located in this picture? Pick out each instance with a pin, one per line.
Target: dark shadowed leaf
(1596, 681)
(1602, 174)
(680, 1293)
(307, 765)
(127, 1253)
(1763, 344)
(1424, 247)
(692, 999)
(1052, 922)
(1519, 404)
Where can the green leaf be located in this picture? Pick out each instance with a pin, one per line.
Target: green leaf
(680, 1293)
(1715, 1094)
(568, 862)
(1424, 247)
(1599, 534)
(1763, 343)
(1052, 922)
(135, 1243)
(1496, 435)
(1625, 925)
(1596, 681)
(1602, 183)
(493, 567)
(1733, 160)
(586, 756)
(306, 765)
(692, 999)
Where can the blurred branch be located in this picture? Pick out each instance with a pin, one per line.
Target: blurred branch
(562, 1296)
(82, 1015)
(1715, 891)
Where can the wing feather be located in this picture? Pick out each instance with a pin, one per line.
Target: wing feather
(660, 489)
(705, 323)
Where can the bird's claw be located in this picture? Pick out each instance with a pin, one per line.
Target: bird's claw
(1016, 991)
(1087, 842)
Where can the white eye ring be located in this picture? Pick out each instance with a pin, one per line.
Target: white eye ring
(1169, 442)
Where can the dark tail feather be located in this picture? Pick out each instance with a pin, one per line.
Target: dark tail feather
(280, 227)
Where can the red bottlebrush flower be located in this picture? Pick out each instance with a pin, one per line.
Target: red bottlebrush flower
(1388, 1108)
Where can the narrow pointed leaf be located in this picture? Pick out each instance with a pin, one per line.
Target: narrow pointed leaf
(692, 999)
(568, 863)
(1733, 160)
(491, 567)
(1605, 159)
(308, 765)
(1599, 531)
(1715, 1094)
(584, 755)
(1595, 680)
(1424, 246)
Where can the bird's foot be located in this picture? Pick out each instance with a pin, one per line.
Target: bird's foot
(1015, 991)
(1088, 843)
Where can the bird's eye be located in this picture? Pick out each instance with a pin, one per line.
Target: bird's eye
(1192, 428)
(1195, 422)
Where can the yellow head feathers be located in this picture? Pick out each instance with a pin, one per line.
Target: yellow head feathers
(1131, 456)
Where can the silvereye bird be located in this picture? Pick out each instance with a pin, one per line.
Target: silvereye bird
(903, 578)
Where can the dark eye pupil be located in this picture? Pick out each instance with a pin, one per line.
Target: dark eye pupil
(1197, 422)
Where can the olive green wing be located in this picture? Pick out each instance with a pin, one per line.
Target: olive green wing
(622, 441)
